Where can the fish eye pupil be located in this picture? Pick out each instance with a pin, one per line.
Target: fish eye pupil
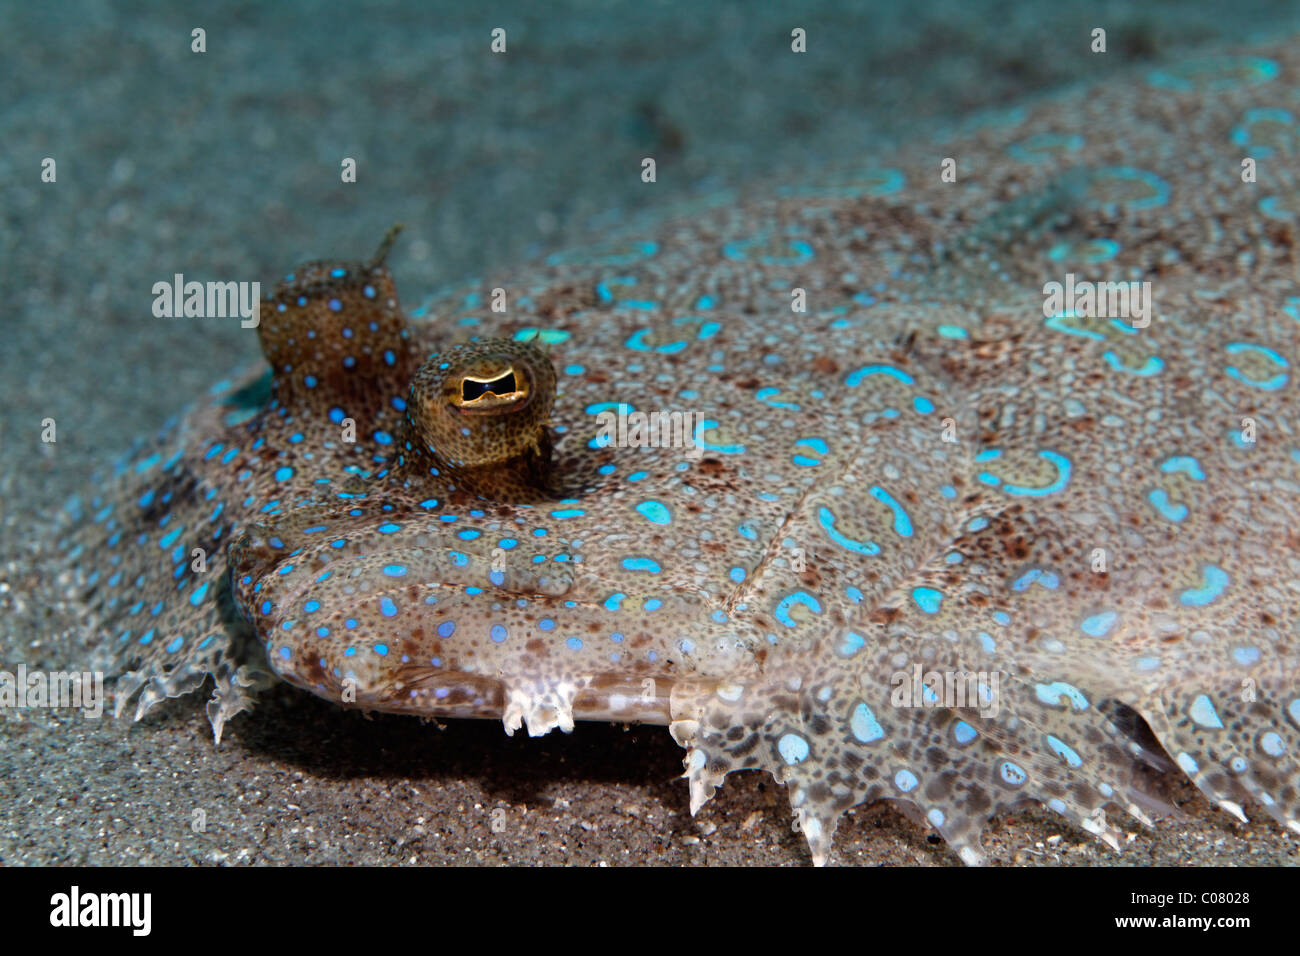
(472, 389)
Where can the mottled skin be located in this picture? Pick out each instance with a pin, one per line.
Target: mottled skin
(918, 470)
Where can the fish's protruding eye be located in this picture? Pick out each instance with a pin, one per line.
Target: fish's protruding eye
(478, 414)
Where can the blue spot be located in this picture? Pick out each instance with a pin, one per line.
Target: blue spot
(568, 513)
(395, 570)
(927, 599)
(574, 644)
(1064, 751)
(1099, 625)
(196, 598)
(614, 601)
(446, 628)
(387, 607)
(498, 633)
(864, 725)
(654, 511)
(383, 438)
(923, 405)
(389, 528)
(737, 575)
(793, 748)
(905, 781)
(641, 564)
(283, 474)
(1012, 774)
(1159, 499)
(1203, 713)
(852, 644)
(175, 645)
(1186, 465)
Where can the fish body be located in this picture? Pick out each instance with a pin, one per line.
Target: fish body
(949, 483)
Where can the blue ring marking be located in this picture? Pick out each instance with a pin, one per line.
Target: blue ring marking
(1241, 134)
(1185, 464)
(854, 379)
(764, 395)
(698, 438)
(1153, 365)
(902, 522)
(784, 606)
(1051, 694)
(827, 520)
(1182, 78)
(1044, 577)
(1159, 188)
(636, 341)
(1216, 582)
(864, 725)
(1063, 468)
(1160, 501)
(1035, 148)
(1268, 385)
(1057, 322)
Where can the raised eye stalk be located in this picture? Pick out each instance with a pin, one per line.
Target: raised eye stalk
(477, 416)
